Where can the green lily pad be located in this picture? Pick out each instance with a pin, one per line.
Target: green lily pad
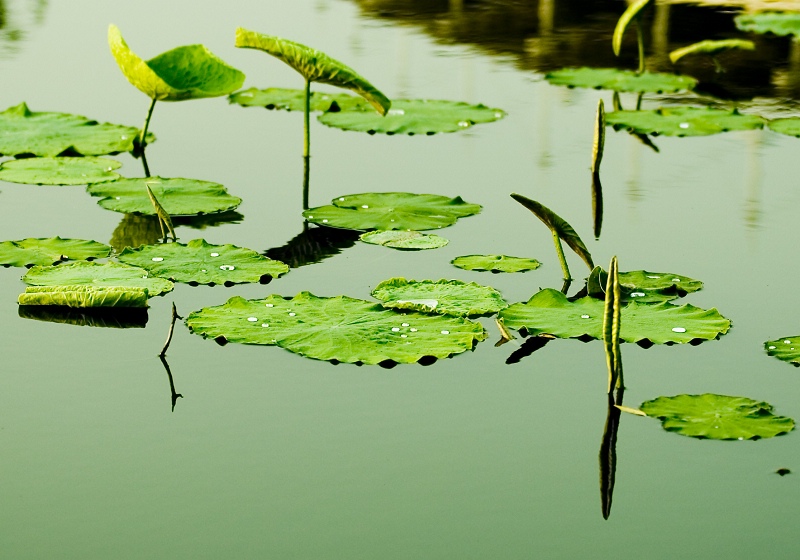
(339, 328)
(392, 211)
(446, 297)
(59, 170)
(31, 251)
(683, 121)
(495, 263)
(711, 48)
(550, 312)
(53, 134)
(187, 72)
(84, 296)
(408, 240)
(789, 126)
(621, 80)
(414, 116)
(83, 273)
(785, 349)
(644, 286)
(778, 23)
(293, 99)
(179, 197)
(717, 417)
(202, 263)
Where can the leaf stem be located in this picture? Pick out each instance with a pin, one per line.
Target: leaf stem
(306, 180)
(640, 41)
(560, 253)
(175, 317)
(143, 133)
(306, 116)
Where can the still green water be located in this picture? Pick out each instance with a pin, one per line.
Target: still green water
(270, 455)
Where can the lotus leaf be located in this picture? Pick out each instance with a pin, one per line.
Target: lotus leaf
(644, 286)
(789, 126)
(59, 170)
(53, 134)
(495, 263)
(785, 349)
(717, 417)
(414, 116)
(711, 48)
(187, 72)
(110, 317)
(179, 197)
(778, 23)
(293, 99)
(621, 80)
(446, 297)
(683, 121)
(85, 273)
(339, 328)
(203, 263)
(550, 312)
(84, 296)
(314, 65)
(392, 211)
(29, 252)
(409, 240)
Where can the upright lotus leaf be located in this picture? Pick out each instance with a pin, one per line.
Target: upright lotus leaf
(644, 286)
(164, 221)
(294, 99)
(104, 317)
(178, 197)
(59, 170)
(785, 349)
(446, 297)
(717, 417)
(683, 121)
(339, 328)
(202, 263)
(405, 240)
(83, 273)
(633, 10)
(550, 312)
(25, 132)
(33, 251)
(789, 126)
(711, 48)
(495, 263)
(84, 296)
(621, 80)
(777, 23)
(413, 116)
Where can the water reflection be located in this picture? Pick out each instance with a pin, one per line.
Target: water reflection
(608, 452)
(174, 396)
(312, 245)
(16, 17)
(115, 318)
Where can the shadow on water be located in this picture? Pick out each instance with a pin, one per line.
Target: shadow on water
(115, 318)
(312, 245)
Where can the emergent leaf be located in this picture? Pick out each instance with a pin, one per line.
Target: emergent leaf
(711, 48)
(31, 251)
(59, 170)
(622, 24)
(446, 297)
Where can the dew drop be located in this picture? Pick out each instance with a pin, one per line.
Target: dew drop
(404, 325)
(310, 217)
(395, 329)
(584, 316)
(157, 259)
(398, 112)
(654, 276)
(791, 348)
(678, 329)
(203, 270)
(412, 329)
(787, 341)
(227, 267)
(684, 125)
(265, 325)
(214, 254)
(772, 348)
(498, 115)
(445, 332)
(116, 198)
(403, 336)
(269, 304)
(324, 221)
(637, 294)
(292, 314)
(123, 137)
(252, 319)
(741, 439)
(341, 199)
(676, 279)
(463, 124)
(365, 206)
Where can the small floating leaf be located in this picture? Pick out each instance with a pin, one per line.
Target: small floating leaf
(414, 116)
(778, 23)
(621, 80)
(786, 349)
(683, 121)
(495, 263)
(409, 240)
(84, 296)
(32, 251)
(711, 48)
(631, 12)
(644, 286)
(339, 328)
(59, 170)
(717, 417)
(293, 99)
(204, 263)
(789, 126)
(94, 274)
(447, 297)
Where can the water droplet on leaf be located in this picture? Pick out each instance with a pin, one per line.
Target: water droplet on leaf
(157, 259)
(679, 329)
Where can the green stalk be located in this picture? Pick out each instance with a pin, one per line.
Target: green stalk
(306, 180)
(143, 133)
(561, 258)
(306, 135)
(640, 41)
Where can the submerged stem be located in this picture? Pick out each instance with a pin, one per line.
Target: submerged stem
(561, 258)
(143, 132)
(306, 116)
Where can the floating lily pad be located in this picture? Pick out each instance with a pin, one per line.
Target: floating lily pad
(53, 134)
(31, 251)
(202, 263)
(621, 80)
(495, 263)
(414, 116)
(549, 312)
(93, 274)
(711, 48)
(392, 211)
(60, 170)
(179, 197)
(717, 417)
(339, 328)
(683, 121)
(778, 23)
(446, 297)
(409, 240)
(644, 286)
(84, 296)
(786, 349)
(789, 126)
(294, 99)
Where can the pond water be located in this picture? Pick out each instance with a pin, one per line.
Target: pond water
(269, 454)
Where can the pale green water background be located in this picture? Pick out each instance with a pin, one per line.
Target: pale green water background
(270, 455)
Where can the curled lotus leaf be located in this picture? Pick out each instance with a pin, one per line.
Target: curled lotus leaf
(446, 297)
(621, 80)
(84, 273)
(722, 417)
(33, 251)
(59, 170)
(550, 312)
(644, 286)
(777, 23)
(338, 328)
(785, 349)
(314, 65)
(683, 121)
(187, 72)
(26, 132)
(407, 240)
(202, 263)
(631, 12)
(84, 296)
(413, 116)
(495, 263)
(711, 48)
(294, 99)
(178, 196)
